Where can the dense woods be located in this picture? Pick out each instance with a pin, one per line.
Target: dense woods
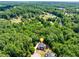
(23, 23)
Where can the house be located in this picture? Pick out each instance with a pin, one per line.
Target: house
(41, 46)
(61, 8)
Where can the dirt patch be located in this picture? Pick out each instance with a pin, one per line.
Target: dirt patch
(14, 20)
(46, 16)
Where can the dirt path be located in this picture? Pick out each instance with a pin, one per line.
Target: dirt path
(35, 54)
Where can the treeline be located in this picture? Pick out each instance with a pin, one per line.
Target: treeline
(60, 33)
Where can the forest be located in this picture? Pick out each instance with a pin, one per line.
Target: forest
(22, 24)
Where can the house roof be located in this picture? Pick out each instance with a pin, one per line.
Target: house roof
(41, 45)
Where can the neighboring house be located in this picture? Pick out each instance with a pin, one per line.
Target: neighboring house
(61, 8)
(41, 46)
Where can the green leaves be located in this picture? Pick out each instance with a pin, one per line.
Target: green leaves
(61, 32)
